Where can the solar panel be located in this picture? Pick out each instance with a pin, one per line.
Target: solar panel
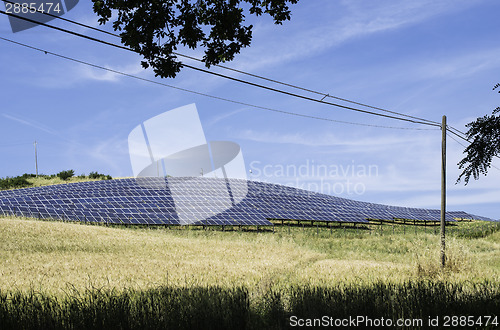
(460, 215)
(207, 201)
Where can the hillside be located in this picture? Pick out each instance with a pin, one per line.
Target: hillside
(30, 180)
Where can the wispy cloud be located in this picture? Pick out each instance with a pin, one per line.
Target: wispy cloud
(408, 166)
(31, 123)
(90, 73)
(325, 139)
(456, 201)
(111, 152)
(462, 65)
(485, 197)
(218, 118)
(60, 73)
(354, 19)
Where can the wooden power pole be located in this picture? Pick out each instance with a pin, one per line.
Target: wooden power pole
(443, 190)
(36, 161)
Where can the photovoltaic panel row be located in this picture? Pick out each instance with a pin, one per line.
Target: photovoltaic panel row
(461, 215)
(301, 204)
(119, 201)
(282, 202)
(199, 200)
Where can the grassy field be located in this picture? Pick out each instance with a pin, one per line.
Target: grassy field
(59, 259)
(56, 256)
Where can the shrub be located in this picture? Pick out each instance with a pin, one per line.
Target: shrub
(16, 182)
(65, 175)
(96, 175)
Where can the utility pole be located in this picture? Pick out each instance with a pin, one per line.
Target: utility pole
(36, 161)
(443, 190)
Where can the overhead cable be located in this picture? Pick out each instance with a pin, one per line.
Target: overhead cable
(232, 78)
(204, 94)
(325, 95)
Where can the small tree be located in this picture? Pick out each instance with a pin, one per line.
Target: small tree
(155, 29)
(94, 175)
(15, 182)
(484, 134)
(97, 175)
(65, 175)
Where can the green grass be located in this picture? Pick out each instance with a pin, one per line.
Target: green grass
(56, 255)
(47, 181)
(29, 180)
(230, 308)
(120, 274)
(161, 308)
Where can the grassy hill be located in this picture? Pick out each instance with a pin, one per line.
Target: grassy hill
(30, 180)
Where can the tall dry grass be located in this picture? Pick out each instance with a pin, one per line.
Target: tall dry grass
(58, 275)
(56, 256)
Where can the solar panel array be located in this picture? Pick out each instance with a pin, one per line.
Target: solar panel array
(207, 201)
(461, 215)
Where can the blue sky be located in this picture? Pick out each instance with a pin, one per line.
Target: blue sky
(422, 58)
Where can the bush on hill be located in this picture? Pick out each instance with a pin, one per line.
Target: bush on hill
(16, 182)
(65, 175)
(21, 181)
(96, 175)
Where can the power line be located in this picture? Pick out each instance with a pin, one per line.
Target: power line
(246, 73)
(463, 138)
(204, 94)
(464, 146)
(416, 120)
(310, 98)
(458, 131)
(456, 134)
(232, 78)
(63, 19)
(325, 95)
(451, 136)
